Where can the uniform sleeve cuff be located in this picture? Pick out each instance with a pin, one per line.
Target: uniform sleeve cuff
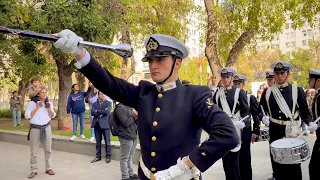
(83, 62)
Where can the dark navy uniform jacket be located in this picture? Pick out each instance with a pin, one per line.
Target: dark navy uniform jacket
(170, 122)
(316, 100)
(242, 104)
(256, 114)
(276, 113)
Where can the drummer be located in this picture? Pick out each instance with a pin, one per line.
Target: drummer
(283, 122)
(314, 83)
(248, 135)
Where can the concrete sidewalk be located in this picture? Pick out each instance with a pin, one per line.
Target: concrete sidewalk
(14, 164)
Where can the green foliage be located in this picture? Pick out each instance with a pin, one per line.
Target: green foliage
(157, 16)
(264, 18)
(6, 113)
(189, 70)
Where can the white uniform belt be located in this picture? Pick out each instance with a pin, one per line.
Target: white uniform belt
(282, 122)
(150, 175)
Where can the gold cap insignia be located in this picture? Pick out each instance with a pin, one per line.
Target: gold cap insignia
(209, 103)
(236, 78)
(279, 65)
(224, 71)
(152, 44)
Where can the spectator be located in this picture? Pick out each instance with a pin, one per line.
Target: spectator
(77, 108)
(185, 82)
(16, 107)
(128, 139)
(100, 112)
(90, 99)
(40, 130)
(33, 90)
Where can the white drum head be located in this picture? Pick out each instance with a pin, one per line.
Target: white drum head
(287, 143)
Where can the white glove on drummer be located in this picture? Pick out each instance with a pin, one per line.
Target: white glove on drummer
(68, 42)
(266, 120)
(174, 171)
(239, 124)
(313, 126)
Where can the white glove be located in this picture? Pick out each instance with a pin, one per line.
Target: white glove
(239, 124)
(68, 42)
(313, 126)
(174, 171)
(266, 120)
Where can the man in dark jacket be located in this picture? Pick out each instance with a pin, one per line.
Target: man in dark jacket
(128, 139)
(100, 112)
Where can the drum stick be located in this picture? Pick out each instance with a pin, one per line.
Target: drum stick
(306, 129)
(244, 118)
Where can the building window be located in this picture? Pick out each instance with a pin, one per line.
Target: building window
(293, 35)
(304, 42)
(310, 32)
(288, 35)
(304, 33)
(292, 44)
(287, 44)
(287, 25)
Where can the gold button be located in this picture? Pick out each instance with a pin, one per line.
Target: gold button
(155, 123)
(203, 154)
(160, 95)
(153, 169)
(157, 109)
(154, 138)
(153, 154)
(199, 145)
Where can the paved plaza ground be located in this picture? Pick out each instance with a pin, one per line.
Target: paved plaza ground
(14, 164)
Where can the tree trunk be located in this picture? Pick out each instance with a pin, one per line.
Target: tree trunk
(65, 82)
(22, 90)
(81, 81)
(128, 64)
(212, 38)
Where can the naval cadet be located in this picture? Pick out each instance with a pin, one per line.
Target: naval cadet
(286, 105)
(314, 83)
(233, 101)
(270, 78)
(248, 135)
(171, 116)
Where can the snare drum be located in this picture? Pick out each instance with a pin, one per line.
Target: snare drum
(290, 151)
(264, 135)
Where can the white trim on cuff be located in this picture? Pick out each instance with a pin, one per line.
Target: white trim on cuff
(83, 62)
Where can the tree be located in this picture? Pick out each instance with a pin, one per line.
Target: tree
(141, 18)
(231, 25)
(189, 70)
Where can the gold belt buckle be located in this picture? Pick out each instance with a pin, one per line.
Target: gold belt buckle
(152, 176)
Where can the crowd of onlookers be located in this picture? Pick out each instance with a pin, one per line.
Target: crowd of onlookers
(40, 111)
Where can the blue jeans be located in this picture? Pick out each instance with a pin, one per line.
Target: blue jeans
(75, 122)
(91, 119)
(16, 116)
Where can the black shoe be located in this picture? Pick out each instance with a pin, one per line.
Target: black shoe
(96, 160)
(305, 134)
(134, 177)
(108, 160)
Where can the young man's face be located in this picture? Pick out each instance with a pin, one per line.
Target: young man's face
(160, 67)
(36, 83)
(281, 77)
(15, 94)
(239, 85)
(101, 96)
(270, 82)
(226, 80)
(42, 94)
(76, 87)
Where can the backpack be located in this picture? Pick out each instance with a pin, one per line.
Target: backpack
(114, 122)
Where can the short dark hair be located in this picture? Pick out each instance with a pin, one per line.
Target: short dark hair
(35, 79)
(14, 92)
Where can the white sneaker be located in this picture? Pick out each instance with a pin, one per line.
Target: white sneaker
(73, 137)
(82, 136)
(92, 139)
